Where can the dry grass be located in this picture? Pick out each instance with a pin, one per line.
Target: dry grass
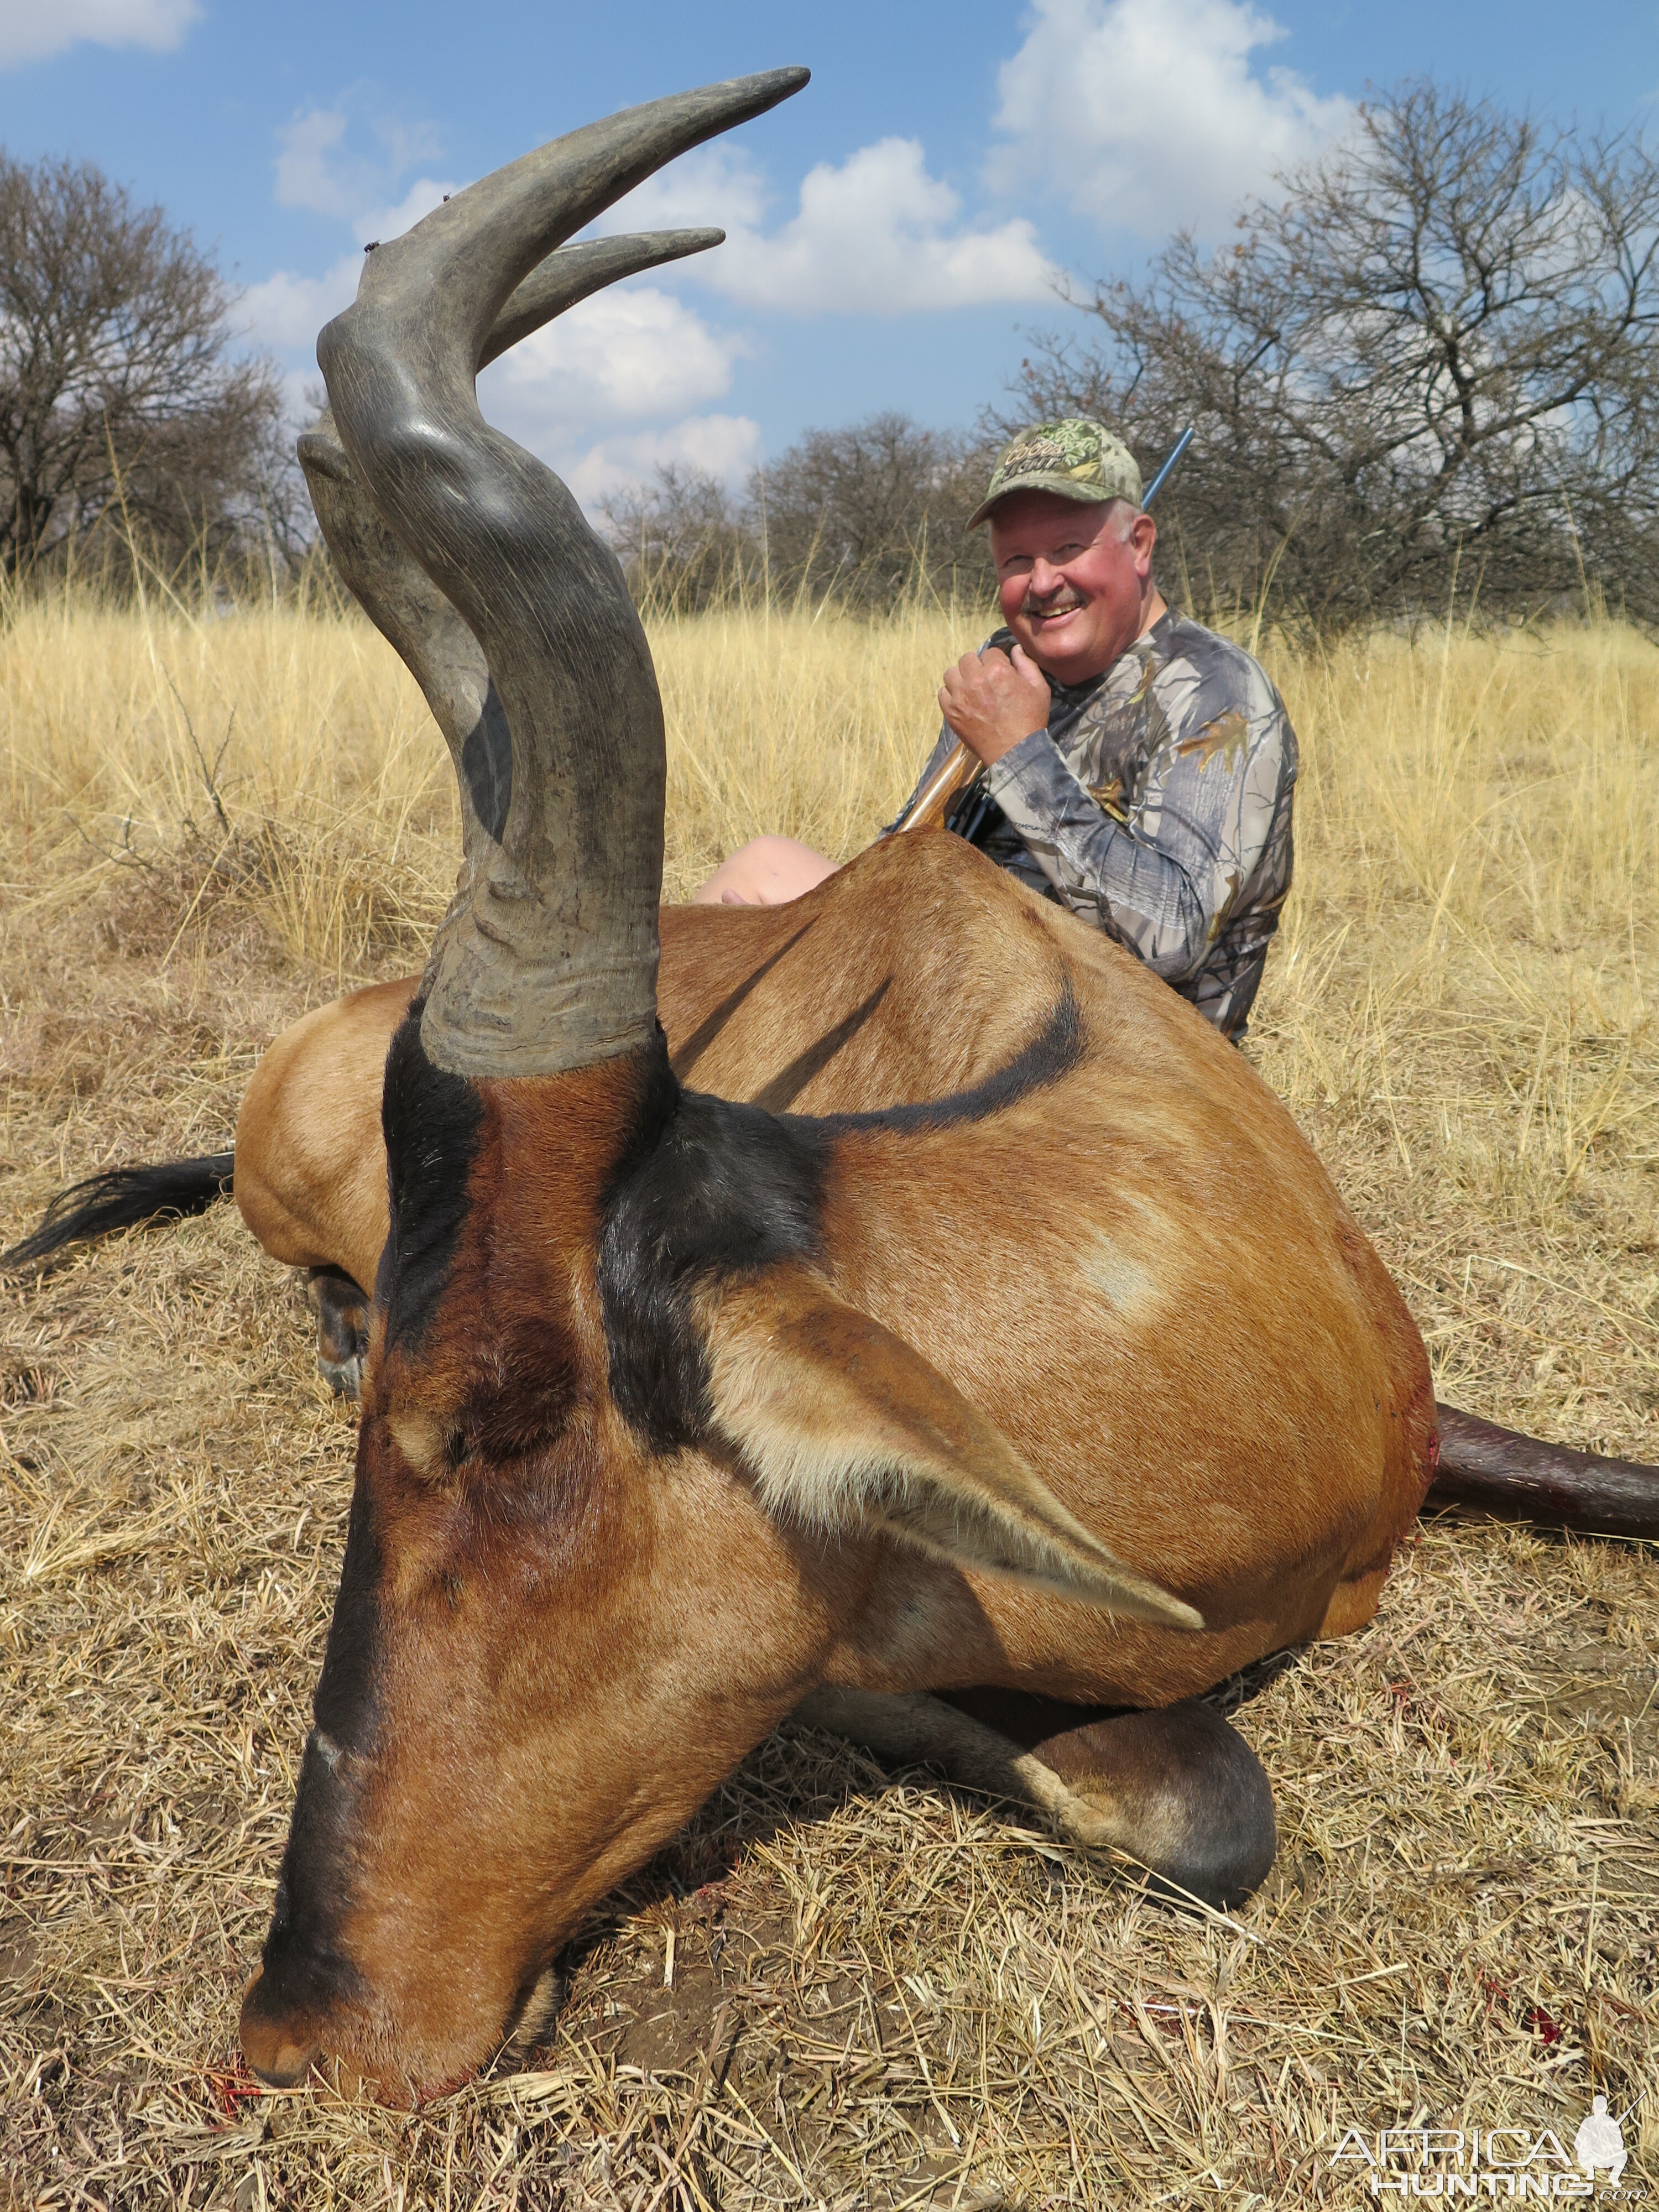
(884, 1993)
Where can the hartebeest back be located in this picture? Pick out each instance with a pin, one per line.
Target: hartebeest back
(1076, 1379)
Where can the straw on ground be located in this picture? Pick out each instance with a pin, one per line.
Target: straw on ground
(878, 1993)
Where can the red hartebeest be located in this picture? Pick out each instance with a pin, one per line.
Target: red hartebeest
(679, 1410)
(978, 1320)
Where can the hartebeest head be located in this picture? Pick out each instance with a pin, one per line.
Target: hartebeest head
(614, 1407)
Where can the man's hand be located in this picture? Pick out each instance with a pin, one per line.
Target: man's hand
(991, 701)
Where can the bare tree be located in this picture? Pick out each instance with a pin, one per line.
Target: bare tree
(1434, 352)
(682, 538)
(873, 511)
(863, 516)
(120, 397)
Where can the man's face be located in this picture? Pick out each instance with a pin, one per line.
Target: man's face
(1075, 592)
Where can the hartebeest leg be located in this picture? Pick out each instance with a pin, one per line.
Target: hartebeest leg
(1174, 1789)
(342, 1311)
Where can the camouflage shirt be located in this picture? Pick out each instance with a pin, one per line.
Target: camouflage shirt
(1157, 803)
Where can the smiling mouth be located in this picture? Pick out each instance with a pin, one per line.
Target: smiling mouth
(1041, 614)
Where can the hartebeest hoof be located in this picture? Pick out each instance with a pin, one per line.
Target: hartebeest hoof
(1198, 1794)
(341, 1312)
(278, 2054)
(1174, 1788)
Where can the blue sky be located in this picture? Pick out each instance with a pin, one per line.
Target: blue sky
(896, 229)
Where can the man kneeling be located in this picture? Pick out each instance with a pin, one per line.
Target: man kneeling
(1140, 769)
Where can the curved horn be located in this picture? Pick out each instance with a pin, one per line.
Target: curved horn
(396, 592)
(550, 963)
(575, 272)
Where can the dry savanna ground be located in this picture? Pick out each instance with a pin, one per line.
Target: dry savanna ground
(839, 1988)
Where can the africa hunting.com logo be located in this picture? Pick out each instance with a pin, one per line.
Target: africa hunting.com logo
(1503, 2162)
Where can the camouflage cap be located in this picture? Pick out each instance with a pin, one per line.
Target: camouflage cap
(1074, 458)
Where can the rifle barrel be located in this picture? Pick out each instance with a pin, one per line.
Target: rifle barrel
(1168, 469)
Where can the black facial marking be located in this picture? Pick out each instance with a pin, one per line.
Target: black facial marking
(305, 1965)
(713, 1188)
(430, 1120)
(487, 765)
(303, 1959)
(345, 1704)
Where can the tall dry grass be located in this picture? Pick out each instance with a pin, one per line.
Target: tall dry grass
(1458, 1006)
(289, 740)
(888, 1998)
(1467, 951)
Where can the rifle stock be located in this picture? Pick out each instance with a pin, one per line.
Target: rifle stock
(939, 793)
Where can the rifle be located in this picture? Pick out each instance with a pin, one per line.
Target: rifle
(959, 777)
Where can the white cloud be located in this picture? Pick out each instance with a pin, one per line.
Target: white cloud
(302, 390)
(723, 446)
(307, 167)
(1145, 113)
(718, 184)
(631, 379)
(606, 394)
(30, 30)
(621, 357)
(422, 195)
(323, 164)
(876, 235)
(284, 311)
(287, 311)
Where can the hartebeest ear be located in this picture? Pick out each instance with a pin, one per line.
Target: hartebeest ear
(840, 1421)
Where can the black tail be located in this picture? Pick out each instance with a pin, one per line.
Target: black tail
(121, 1198)
(1516, 1478)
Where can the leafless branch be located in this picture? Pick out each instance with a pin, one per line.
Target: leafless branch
(1437, 343)
(117, 368)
